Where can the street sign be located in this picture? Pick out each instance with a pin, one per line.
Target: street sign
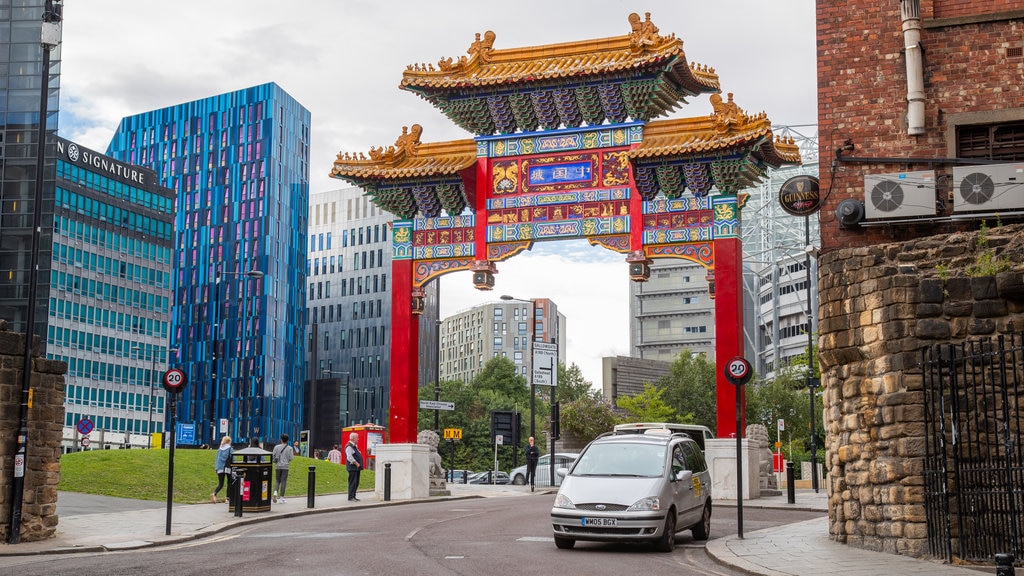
(545, 364)
(499, 440)
(186, 433)
(84, 426)
(453, 433)
(174, 380)
(85, 442)
(738, 371)
(435, 405)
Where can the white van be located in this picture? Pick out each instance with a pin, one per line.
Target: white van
(697, 432)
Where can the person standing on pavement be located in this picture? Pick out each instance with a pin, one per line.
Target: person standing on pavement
(532, 456)
(221, 465)
(353, 464)
(334, 456)
(282, 457)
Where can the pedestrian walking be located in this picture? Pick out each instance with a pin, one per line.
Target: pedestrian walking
(353, 464)
(282, 457)
(334, 456)
(221, 465)
(532, 455)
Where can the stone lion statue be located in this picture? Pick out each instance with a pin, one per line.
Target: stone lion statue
(431, 439)
(757, 434)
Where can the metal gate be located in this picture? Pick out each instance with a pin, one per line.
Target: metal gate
(974, 469)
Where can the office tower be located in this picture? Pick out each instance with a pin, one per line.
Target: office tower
(110, 297)
(349, 297)
(239, 163)
(21, 74)
(472, 337)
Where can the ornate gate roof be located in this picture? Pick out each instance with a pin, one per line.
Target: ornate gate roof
(640, 76)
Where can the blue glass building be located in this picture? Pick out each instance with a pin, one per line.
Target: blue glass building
(239, 163)
(110, 297)
(21, 73)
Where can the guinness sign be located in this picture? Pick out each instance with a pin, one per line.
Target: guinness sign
(799, 195)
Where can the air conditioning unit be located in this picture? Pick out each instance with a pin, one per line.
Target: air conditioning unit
(988, 187)
(899, 195)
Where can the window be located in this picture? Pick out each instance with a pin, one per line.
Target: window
(991, 141)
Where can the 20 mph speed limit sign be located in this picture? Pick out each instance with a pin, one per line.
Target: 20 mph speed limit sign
(174, 380)
(738, 371)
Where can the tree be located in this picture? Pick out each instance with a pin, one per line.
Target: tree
(690, 389)
(647, 406)
(784, 397)
(587, 417)
(572, 386)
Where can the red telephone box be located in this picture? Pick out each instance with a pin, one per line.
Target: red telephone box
(369, 436)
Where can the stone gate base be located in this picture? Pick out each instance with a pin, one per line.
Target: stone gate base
(721, 456)
(410, 470)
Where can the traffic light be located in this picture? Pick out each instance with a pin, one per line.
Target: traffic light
(502, 424)
(555, 427)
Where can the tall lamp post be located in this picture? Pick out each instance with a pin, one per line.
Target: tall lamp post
(49, 39)
(437, 377)
(216, 345)
(812, 382)
(529, 352)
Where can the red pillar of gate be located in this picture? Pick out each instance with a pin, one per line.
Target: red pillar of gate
(405, 336)
(728, 332)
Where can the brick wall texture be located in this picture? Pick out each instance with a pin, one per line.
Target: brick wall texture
(879, 307)
(862, 94)
(45, 425)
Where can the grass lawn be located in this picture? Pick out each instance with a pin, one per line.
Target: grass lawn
(142, 475)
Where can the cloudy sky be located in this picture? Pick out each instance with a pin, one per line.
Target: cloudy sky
(343, 60)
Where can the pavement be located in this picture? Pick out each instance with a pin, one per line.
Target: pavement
(98, 523)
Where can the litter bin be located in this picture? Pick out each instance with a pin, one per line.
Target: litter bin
(253, 468)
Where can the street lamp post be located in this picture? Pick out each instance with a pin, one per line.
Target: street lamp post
(437, 377)
(49, 39)
(529, 352)
(215, 367)
(811, 383)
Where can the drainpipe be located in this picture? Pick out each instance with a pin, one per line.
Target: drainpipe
(910, 11)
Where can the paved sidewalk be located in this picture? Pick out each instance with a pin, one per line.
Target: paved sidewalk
(801, 549)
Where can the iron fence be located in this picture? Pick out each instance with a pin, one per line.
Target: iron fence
(974, 469)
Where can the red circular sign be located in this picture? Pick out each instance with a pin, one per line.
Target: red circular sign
(738, 371)
(174, 380)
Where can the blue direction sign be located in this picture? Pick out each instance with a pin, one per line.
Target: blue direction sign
(84, 426)
(186, 434)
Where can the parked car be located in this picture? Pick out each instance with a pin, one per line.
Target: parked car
(489, 477)
(458, 476)
(562, 460)
(634, 488)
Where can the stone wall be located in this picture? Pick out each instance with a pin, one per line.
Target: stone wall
(879, 306)
(45, 425)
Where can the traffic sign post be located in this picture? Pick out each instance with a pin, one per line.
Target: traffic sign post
(545, 364)
(174, 381)
(738, 372)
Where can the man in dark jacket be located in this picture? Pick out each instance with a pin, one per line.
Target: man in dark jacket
(532, 455)
(353, 464)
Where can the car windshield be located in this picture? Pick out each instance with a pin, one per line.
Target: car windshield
(621, 459)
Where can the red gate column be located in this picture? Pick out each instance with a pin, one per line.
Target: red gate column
(728, 330)
(404, 357)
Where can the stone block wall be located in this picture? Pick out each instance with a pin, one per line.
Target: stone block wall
(45, 426)
(879, 307)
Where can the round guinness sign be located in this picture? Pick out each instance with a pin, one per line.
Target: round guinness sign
(799, 195)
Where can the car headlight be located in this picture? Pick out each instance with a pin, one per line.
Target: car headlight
(562, 502)
(646, 504)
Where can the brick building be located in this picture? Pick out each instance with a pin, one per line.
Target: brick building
(910, 93)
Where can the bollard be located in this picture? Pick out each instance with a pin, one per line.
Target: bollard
(1004, 564)
(387, 482)
(790, 484)
(311, 488)
(240, 482)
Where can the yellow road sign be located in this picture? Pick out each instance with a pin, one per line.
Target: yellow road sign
(453, 433)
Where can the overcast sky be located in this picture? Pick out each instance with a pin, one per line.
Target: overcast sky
(343, 61)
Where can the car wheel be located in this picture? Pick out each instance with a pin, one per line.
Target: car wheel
(702, 529)
(668, 540)
(518, 480)
(564, 543)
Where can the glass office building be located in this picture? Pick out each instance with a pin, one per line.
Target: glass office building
(110, 297)
(21, 73)
(239, 164)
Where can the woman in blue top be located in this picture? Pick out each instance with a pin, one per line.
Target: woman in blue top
(221, 466)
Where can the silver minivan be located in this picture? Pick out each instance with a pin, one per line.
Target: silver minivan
(634, 488)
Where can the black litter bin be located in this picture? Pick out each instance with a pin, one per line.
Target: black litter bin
(252, 468)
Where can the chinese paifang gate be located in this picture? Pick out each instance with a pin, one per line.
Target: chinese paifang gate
(567, 146)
